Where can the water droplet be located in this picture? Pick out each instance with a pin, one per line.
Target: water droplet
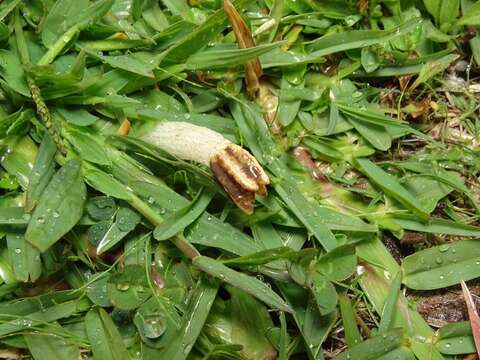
(123, 287)
(154, 326)
(18, 251)
(209, 217)
(151, 200)
(442, 277)
(41, 219)
(186, 350)
(443, 248)
(439, 260)
(454, 251)
(447, 345)
(55, 214)
(387, 275)
(162, 211)
(477, 262)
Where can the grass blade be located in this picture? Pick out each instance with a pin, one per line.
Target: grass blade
(107, 344)
(179, 220)
(390, 186)
(352, 334)
(247, 283)
(390, 306)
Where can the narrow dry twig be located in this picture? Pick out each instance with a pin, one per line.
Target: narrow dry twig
(124, 128)
(253, 68)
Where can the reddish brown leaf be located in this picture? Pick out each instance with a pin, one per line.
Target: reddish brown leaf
(473, 316)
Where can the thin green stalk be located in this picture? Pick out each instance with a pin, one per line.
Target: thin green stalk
(179, 241)
(59, 45)
(42, 109)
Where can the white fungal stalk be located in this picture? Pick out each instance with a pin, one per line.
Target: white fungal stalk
(187, 141)
(235, 169)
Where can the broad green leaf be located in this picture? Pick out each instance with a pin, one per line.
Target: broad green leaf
(106, 184)
(128, 289)
(442, 266)
(87, 147)
(25, 258)
(324, 294)
(288, 108)
(13, 216)
(381, 347)
(338, 264)
(106, 342)
(128, 62)
(370, 61)
(455, 338)
(51, 347)
(390, 186)
(79, 117)
(247, 283)
(111, 237)
(376, 135)
(59, 208)
(210, 231)
(11, 72)
(97, 290)
(428, 191)
(42, 172)
(101, 207)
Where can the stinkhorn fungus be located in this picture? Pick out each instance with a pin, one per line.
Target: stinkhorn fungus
(237, 171)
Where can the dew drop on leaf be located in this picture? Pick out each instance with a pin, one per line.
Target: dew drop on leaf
(123, 287)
